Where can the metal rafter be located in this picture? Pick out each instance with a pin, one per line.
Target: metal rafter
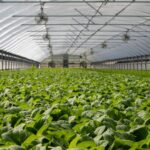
(75, 1)
(83, 16)
(120, 33)
(66, 32)
(84, 28)
(105, 24)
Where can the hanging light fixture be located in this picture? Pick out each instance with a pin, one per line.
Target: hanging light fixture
(46, 37)
(126, 36)
(104, 45)
(41, 18)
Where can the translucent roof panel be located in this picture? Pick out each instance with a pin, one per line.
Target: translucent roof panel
(76, 27)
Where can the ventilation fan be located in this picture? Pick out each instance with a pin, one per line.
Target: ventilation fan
(126, 37)
(104, 45)
(41, 17)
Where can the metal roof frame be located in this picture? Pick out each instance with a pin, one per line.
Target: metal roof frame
(80, 25)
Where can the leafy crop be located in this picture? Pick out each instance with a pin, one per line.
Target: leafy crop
(140, 73)
(73, 109)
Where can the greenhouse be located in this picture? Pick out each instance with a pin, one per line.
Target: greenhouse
(74, 74)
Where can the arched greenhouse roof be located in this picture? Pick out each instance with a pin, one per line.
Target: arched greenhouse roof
(101, 29)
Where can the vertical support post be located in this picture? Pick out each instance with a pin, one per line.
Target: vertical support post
(5, 62)
(133, 65)
(145, 63)
(141, 58)
(130, 63)
(16, 62)
(11, 62)
(137, 63)
(110, 64)
(124, 65)
(2, 61)
(127, 63)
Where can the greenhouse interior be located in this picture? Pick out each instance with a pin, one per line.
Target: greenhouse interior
(74, 74)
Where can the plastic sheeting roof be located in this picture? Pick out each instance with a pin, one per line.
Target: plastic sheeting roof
(76, 27)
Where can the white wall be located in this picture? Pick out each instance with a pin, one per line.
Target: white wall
(13, 65)
(133, 65)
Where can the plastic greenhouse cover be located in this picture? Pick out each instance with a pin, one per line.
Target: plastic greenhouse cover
(76, 27)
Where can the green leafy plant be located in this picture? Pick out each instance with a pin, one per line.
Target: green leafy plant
(74, 109)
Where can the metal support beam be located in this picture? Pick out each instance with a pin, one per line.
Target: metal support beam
(8, 57)
(103, 31)
(126, 62)
(75, 1)
(96, 24)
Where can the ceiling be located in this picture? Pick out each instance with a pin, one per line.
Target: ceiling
(76, 27)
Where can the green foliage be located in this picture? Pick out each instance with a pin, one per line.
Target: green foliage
(74, 109)
(140, 73)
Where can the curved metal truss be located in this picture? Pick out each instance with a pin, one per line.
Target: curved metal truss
(77, 27)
